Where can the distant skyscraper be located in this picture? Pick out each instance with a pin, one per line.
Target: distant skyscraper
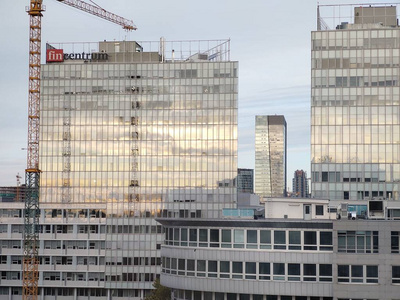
(245, 180)
(270, 164)
(12, 193)
(355, 125)
(300, 184)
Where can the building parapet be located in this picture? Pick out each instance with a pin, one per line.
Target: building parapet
(357, 16)
(324, 209)
(139, 52)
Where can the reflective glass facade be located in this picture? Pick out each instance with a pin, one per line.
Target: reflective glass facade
(270, 158)
(245, 181)
(355, 112)
(148, 136)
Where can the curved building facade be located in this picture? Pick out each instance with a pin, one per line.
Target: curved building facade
(281, 258)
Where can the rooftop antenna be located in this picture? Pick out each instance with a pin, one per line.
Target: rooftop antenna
(162, 49)
(18, 186)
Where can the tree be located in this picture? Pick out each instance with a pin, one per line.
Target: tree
(160, 292)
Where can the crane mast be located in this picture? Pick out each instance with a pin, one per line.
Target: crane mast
(32, 172)
(30, 274)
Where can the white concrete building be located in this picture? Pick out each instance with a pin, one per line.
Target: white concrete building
(72, 251)
(283, 258)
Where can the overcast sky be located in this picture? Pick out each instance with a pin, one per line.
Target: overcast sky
(269, 38)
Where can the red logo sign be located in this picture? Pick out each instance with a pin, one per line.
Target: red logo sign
(54, 55)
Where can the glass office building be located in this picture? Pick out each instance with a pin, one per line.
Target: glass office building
(270, 158)
(355, 104)
(244, 181)
(150, 129)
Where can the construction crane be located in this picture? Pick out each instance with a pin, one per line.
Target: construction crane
(100, 12)
(30, 269)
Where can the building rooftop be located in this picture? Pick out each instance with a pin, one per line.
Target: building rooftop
(357, 16)
(147, 51)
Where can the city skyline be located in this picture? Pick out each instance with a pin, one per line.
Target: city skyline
(267, 49)
(251, 49)
(154, 130)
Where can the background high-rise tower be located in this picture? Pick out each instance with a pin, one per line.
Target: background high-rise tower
(300, 184)
(355, 108)
(270, 157)
(245, 181)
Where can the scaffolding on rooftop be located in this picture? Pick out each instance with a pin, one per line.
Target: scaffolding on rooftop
(172, 51)
(331, 17)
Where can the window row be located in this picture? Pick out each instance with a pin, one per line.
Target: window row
(250, 239)
(372, 101)
(358, 241)
(355, 299)
(247, 270)
(75, 213)
(335, 177)
(56, 276)
(137, 277)
(374, 176)
(355, 62)
(62, 291)
(104, 136)
(354, 81)
(119, 88)
(125, 74)
(351, 41)
(70, 228)
(57, 244)
(150, 111)
(357, 274)
(73, 276)
(56, 260)
(52, 291)
(135, 261)
(198, 295)
(58, 213)
(134, 229)
(73, 245)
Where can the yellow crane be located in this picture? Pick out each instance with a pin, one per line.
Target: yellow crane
(30, 271)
